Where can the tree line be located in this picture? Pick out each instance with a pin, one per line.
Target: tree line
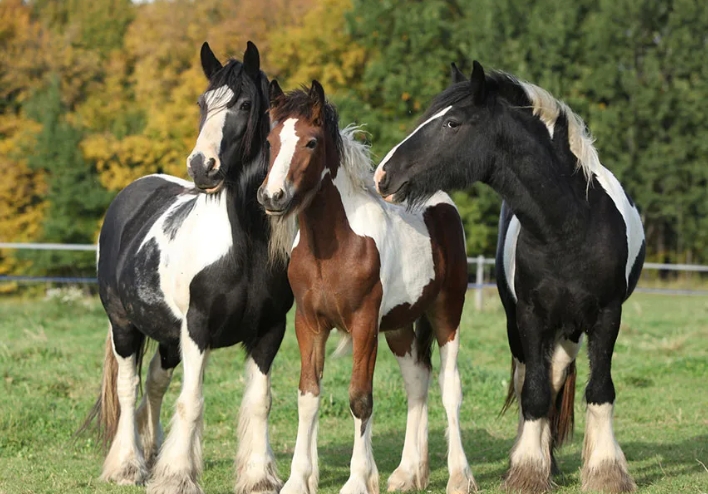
(96, 93)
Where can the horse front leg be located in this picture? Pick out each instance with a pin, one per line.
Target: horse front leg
(179, 463)
(530, 459)
(157, 381)
(413, 354)
(461, 480)
(255, 464)
(304, 470)
(604, 465)
(364, 476)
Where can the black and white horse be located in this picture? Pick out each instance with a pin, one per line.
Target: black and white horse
(571, 248)
(188, 265)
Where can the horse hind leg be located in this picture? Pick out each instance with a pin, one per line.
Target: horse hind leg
(604, 464)
(255, 463)
(125, 464)
(461, 480)
(157, 381)
(412, 350)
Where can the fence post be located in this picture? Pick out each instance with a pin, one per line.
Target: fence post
(480, 282)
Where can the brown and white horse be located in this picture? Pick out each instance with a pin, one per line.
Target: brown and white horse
(362, 265)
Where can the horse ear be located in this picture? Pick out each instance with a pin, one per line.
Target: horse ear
(210, 64)
(275, 92)
(252, 61)
(317, 93)
(478, 82)
(456, 75)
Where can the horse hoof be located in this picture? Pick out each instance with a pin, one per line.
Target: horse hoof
(360, 486)
(173, 483)
(404, 480)
(461, 482)
(609, 476)
(267, 485)
(293, 486)
(131, 472)
(527, 478)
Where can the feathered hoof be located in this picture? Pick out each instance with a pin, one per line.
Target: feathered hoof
(132, 472)
(173, 483)
(609, 476)
(461, 482)
(269, 484)
(527, 478)
(406, 479)
(298, 486)
(357, 485)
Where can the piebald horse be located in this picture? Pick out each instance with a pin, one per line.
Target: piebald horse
(571, 248)
(364, 266)
(190, 266)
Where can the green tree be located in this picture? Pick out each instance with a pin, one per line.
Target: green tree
(75, 200)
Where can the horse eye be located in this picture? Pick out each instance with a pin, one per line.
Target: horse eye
(451, 124)
(311, 144)
(246, 105)
(267, 144)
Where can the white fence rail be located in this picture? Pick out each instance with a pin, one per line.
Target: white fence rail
(479, 262)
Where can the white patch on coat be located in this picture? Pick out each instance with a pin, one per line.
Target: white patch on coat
(600, 442)
(512, 236)
(563, 355)
(630, 215)
(281, 164)
(364, 476)
(212, 132)
(255, 463)
(304, 470)
(401, 236)
(203, 238)
(379, 169)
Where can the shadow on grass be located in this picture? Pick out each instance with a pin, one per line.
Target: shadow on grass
(488, 457)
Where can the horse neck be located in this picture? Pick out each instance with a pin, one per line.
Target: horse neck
(323, 222)
(545, 192)
(245, 214)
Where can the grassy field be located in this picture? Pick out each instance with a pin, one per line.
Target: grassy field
(50, 356)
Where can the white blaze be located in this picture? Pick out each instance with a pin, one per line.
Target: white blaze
(209, 140)
(379, 169)
(281, 165)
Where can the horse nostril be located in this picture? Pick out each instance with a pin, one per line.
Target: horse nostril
(260, 195)
(278, 195)
(210, 165)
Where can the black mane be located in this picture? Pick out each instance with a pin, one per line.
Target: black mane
(500, 84)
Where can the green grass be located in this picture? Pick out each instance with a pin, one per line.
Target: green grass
(50, 357)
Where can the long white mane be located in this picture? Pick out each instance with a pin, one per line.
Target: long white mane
(356, 159)
(548, 109)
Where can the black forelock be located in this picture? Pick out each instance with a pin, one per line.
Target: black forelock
(233, 76)
(299, 103)
(499, 84)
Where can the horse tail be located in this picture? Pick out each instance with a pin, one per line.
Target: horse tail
(562, 416)
(106, 410)
(511, 392)
(424, 340)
